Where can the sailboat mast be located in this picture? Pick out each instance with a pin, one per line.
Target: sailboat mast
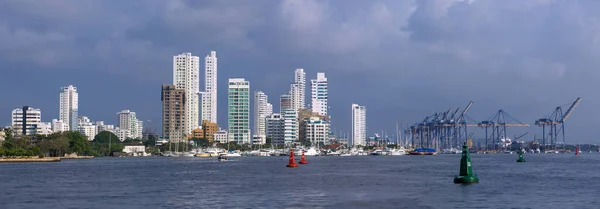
(109, 143)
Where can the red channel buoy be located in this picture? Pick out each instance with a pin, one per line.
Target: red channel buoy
(303, 159)
(292, 163)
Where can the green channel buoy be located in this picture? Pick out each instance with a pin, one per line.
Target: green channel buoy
(466, 175)
(521, 159)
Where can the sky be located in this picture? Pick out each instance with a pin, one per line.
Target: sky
(402, 59)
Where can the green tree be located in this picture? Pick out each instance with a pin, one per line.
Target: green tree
(131, 140)
(55, 145)
(105, 140)
(151, 141)
(201, 142)
(78, 142)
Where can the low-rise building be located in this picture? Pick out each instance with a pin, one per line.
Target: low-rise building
(206, 131)
(44, 128)
(86, 127)
(59, 126)
(221, 136)
(25, 120)
(316, 130)
(134, 148)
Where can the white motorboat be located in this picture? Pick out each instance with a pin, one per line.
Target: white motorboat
(235, 154)
(398, 152)
(377, 152)
(310, 152)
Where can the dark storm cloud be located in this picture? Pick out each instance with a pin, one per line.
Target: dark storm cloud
(402, 59)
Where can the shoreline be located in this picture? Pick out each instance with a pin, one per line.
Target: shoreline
(30, 159)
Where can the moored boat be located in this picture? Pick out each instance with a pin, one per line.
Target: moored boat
(423, 151)
(222, 157)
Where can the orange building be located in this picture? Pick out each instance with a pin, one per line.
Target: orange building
(205, 131)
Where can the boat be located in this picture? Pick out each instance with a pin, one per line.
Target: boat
(398, 152)
(187, 154)
(202, 154)
(377, 152)
(222, 157)
(310, 152)
(234, 154)
(423, 151)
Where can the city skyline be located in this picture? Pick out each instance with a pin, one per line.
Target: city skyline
(404, 60)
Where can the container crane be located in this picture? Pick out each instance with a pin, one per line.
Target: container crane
(556, 122)
(498, 123)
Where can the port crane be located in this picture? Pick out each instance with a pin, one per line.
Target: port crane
(556, 123)
(440, 129)
(498, 124)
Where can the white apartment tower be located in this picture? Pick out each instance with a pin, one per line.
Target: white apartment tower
(359, 125)
(209, 96)
(69, 106)
(298, 90)
(262, 109)
(238, 112)
(87, 128)
(129, 121)
(319, 94)
(186, 76)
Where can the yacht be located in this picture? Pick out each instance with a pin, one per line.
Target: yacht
(377, 152)
(310, 152)
(398, 152)
(187, 154)
(234, 154)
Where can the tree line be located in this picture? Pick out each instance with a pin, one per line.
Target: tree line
(105, 143)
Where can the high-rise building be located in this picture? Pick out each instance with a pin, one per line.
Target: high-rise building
(298, 89)
(262, 108)
(359, 125)
(25, 120)
(238, 112)
(186, 73)
(173, 113)
(319, 94)
(290, 120)
(275, 128)
(209, 96)
(285, 103)
(129, 121)
(69, 106)
(269, 109)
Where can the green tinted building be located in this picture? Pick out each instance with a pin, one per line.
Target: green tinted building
(238, 110)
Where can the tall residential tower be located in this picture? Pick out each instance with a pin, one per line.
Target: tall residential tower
(238, 112)
(262, 108)
(298, 90)
(173, 112)
(186, 76)
(359, 125)
(209, 96)
(69, 106)
(319, 94)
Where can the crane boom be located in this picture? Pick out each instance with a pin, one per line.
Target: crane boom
(570, 110)
(462, 115)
